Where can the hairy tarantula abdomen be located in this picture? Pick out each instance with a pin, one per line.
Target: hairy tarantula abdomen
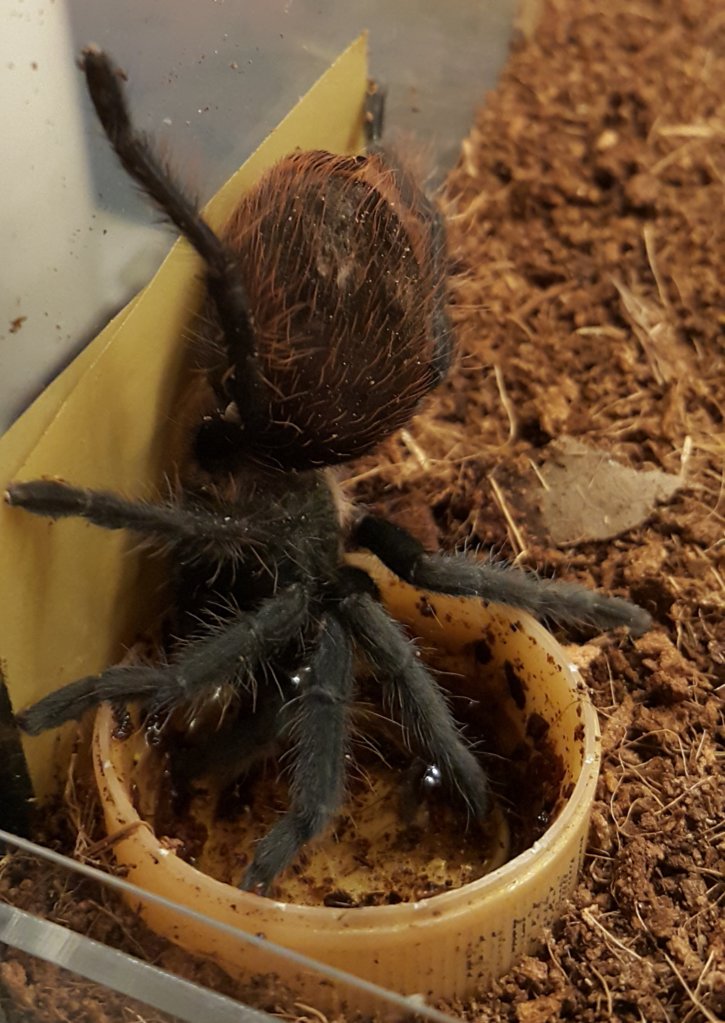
(344, 277)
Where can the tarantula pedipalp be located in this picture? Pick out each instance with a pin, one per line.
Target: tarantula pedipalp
(325, 327)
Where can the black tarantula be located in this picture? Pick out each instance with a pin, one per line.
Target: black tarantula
(327, 295)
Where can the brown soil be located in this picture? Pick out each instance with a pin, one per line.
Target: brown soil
(588, 226)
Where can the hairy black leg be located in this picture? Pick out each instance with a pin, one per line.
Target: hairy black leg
(182, 525)
(230, 653)
(414, 697)
(461, 575)
(135, 151)
(318, 733)
(374, 116)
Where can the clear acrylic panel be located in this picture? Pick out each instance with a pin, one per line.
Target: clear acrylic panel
(69, 942)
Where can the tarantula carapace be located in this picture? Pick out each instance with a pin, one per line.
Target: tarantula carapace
(325, 327)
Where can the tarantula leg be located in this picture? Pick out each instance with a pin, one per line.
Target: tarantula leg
(319, 731)
(230, 653)
(415, 198)
(135, 151)
(167, 523)
(414, 697)
(461, 575)
(374, 115)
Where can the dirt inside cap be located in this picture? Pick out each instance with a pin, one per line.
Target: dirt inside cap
(399, 836)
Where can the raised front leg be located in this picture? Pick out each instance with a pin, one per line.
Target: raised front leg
(224, 275)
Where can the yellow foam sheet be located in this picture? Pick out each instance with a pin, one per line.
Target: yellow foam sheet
(71, 594)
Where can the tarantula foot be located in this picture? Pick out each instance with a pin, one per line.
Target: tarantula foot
(266, 864)
(251, 882)
(72, 701)
(283, 843)
(612, 612)
(53, 498)
(57, 708)
(474, 787)
(102, 75)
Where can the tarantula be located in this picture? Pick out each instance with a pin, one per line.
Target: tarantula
(326, 325)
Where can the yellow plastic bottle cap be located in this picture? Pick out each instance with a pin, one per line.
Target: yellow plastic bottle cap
(504, 670)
